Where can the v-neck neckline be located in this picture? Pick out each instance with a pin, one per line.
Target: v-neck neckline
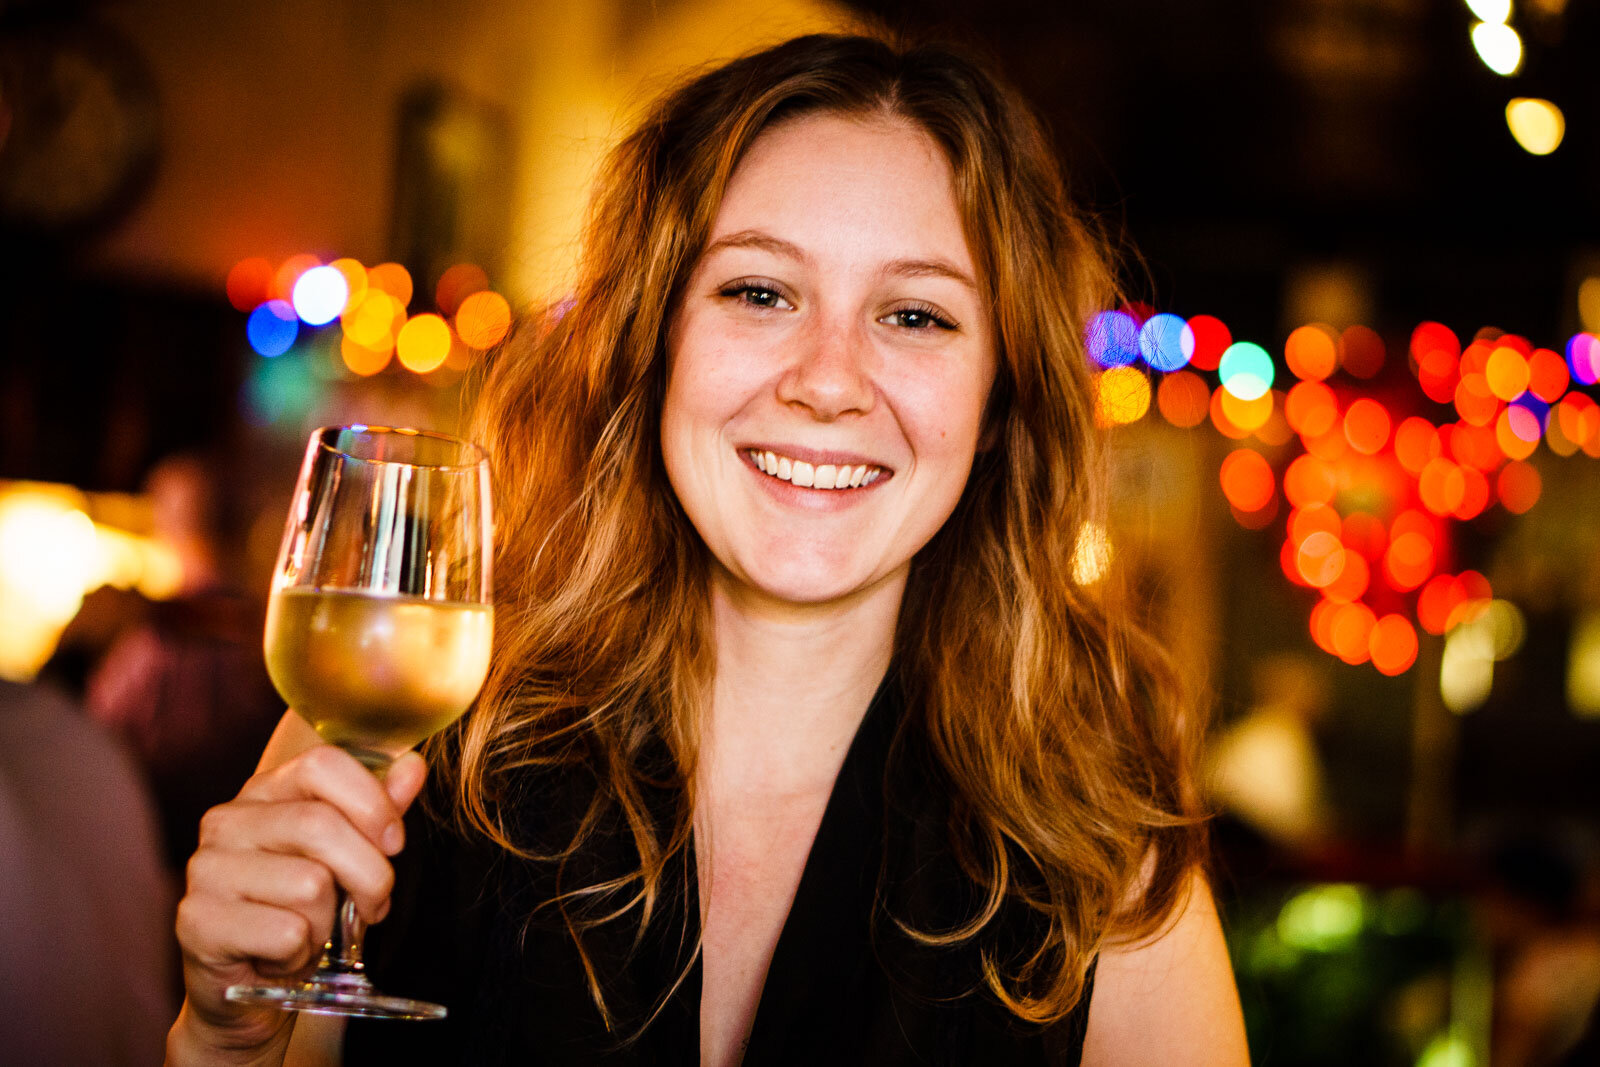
(821, 920)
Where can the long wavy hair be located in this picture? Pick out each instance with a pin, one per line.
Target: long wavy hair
(1059, 726)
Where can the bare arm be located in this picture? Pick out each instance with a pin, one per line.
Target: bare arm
(1170, 999)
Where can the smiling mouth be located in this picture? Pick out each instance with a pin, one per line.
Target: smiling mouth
(819, 476)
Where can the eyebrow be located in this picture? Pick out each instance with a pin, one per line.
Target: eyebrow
(901, 268)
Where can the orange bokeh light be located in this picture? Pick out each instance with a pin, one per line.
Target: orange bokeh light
(1441, 486)
(1579, 417)
(249, 283)
(1438, 601)
(456, 284)
(1352, 580)
(1506, 372)
(1314, 518)
(1509, 429)
(424, 342)
(1431, 337)
(1415, 443)
(355, 278)
(1474, 494)
(1366, 426)
(1308, 480)
(1352, 629)
(1320, 559)
(1475, 402)
(1548, 377)
(1392, 644)
(1475, 446)
(1311, 352)
(393, 279)
(374, 320)
(1519, 486)
(1247, 479)
(1183, 398)
(1311, 409)
(1247, 415)
(1475, 357)
(1322, 616)
(1361, 351)
(289, 272)
(363, 360)
(1436, 373)
(1409, 561)
(1364, 533)
(485, 318)
(1219, 417)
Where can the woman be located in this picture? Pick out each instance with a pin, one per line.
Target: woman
(801, 745)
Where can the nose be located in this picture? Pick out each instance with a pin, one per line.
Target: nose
(829, 374)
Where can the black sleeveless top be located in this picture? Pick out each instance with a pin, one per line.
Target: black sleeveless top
(846, 985)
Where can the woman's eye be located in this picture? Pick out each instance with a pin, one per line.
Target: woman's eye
(918, 318)
(759, 296)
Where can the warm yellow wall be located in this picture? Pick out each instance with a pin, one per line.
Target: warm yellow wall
(280, 118)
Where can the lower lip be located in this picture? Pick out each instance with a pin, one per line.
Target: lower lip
(816, 499)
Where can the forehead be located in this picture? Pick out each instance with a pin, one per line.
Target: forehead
(855, 179)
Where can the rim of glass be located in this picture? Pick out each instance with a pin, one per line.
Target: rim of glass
(478, 457)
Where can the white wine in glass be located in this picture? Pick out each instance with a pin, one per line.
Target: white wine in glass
(378, 633)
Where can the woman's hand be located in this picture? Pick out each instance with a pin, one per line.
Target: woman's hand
(263, 885)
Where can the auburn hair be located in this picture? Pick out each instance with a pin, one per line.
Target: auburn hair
(1059, 725)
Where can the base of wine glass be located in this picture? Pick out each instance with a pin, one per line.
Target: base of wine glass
(338, 994)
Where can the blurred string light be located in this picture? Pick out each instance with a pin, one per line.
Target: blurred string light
(1536, 124)
(1490, 632)
(287, 305)
(1491, 11)
(1324, 918)
(1373, 484)
(51, 554)
(1499, 46)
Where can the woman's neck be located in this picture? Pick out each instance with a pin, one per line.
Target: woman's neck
(792, 684)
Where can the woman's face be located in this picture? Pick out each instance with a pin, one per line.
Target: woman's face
(829, 361)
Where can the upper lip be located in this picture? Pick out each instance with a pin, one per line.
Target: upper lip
(816, 456)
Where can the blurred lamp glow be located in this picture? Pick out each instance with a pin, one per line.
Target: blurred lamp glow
(484, 319)
(423, 344)
(1246, 370)
(1537, 125)
(1498, 46)
(1121, 396)
(320, 294)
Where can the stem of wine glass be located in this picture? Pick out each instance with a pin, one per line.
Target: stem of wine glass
(341, 955)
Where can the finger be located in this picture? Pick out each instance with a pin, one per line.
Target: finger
(292, 882)
(309, 829)
(404, 780)
(326, 773)
(235, 938)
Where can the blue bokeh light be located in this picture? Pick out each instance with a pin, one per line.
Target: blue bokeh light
(1113, 339)
(1166, 342)
(272, 328)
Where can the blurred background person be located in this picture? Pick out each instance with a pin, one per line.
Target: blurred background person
(86, 963)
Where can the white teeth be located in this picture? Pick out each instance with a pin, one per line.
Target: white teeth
(807, 476)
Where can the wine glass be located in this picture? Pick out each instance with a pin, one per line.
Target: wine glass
(378, 633)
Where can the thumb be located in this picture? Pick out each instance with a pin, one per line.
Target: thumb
(404, 779)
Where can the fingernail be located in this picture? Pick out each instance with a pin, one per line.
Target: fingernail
(394, 838)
